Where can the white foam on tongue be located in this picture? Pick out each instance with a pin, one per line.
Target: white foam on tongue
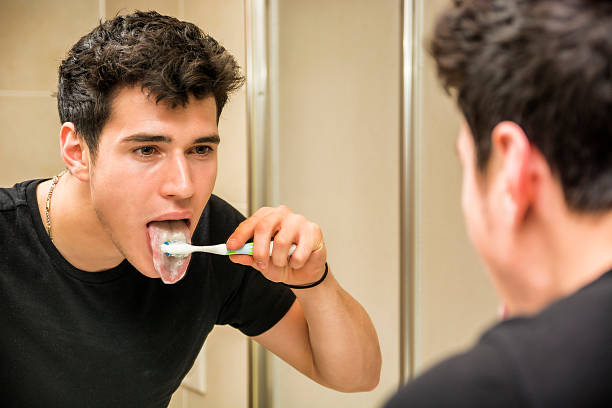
(171, 269)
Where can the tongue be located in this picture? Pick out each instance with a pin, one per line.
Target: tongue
(171, 269)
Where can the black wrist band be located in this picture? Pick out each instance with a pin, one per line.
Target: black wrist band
(308, 285)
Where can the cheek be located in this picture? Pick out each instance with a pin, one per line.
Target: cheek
(119, 196)
(473, 212)
(205, 177)
(478, 225)
(211, 175)
(467, 196)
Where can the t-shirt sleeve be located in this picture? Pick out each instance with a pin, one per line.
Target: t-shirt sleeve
(254, 304)
(481, 377)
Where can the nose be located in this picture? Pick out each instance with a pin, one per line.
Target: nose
(178, 182)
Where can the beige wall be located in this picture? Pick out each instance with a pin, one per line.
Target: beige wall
(34, 36)
(339, 86)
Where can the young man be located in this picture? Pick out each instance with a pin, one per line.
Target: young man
(534, 82)
(85, 321)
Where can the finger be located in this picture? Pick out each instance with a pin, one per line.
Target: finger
(242, 259)
(263, 232)
(314, 266)
(285, 237)
(271, 272)
(310, 241)
(245, 230)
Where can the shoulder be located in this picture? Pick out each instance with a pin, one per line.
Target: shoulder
(482, 376)
(575, 325)
(13, 197)
(219, 219)
(521, 361)
(573, 335)
(219, 207)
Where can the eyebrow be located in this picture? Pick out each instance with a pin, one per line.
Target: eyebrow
(145, 138)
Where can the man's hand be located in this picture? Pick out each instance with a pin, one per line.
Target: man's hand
(326, 334)
(284, 228)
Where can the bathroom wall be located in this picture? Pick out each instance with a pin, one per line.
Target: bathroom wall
(34, 35)
(339, 130)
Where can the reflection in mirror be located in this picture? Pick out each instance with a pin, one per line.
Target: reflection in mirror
(141, 165)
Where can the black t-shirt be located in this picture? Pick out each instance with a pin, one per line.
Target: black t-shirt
(562, 357)
(116, 338)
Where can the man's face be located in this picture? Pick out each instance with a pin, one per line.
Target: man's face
(153, 163)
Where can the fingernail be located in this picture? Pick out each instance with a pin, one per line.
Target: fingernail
(261, 265)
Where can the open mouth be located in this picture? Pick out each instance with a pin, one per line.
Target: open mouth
(171, 269)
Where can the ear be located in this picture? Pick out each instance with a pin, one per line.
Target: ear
(511, 146)
(74, 152)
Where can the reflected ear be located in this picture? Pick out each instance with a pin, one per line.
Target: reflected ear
(510, 144)
(74, 152)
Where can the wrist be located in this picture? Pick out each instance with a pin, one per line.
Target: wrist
(309, 285)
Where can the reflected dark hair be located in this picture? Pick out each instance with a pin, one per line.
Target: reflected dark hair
(546, 65)
(169, 59)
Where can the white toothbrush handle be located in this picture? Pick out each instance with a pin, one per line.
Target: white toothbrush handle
(248, 249)
(220, 249)
(184, 249)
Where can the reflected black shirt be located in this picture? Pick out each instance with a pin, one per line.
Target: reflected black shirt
(115, 338)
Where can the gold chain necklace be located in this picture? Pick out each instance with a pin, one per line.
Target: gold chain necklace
(48, 203)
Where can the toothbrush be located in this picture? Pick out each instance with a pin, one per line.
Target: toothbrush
(181, 249)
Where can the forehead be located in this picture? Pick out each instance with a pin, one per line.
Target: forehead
(134, 111)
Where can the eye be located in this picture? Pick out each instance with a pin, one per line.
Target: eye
(145, 151)
(202, 150)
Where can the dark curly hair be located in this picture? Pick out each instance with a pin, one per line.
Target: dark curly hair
(546, 65)
(169, 59)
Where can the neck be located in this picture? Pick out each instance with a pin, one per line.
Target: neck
(77, 233)
(557, 257)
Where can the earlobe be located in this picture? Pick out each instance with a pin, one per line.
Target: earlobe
(515, 153)
(74, 152)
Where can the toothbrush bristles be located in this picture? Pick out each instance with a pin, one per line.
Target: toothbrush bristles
(171, 242)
